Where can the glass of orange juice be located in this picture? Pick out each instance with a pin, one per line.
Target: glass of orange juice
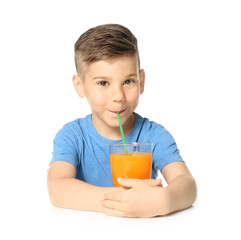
(130, 161)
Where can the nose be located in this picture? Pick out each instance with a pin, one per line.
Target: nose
(118, 94)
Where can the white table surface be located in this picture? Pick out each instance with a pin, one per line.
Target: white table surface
(27, 213)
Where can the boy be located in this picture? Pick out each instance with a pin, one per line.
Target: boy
(79, 176)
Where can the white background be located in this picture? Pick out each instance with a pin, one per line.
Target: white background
(191, 53)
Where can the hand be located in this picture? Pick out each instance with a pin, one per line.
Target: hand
(141, 198)
(154, 182)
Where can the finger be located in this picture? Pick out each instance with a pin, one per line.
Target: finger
(113, 212)
(114, 196)
(128, 182)
(153, 182)
(114, 205)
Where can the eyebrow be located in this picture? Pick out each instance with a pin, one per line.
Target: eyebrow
(100, 77)
(131, 75)
(104, 77)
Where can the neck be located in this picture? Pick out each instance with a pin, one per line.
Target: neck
(113, 133)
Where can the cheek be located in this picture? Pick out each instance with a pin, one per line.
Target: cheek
(96, 98)
(133, 96)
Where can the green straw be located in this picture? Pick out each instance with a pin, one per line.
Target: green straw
(122, 132)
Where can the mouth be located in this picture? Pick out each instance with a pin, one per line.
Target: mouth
(120, 112)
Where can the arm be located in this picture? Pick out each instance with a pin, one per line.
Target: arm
(68, 192)
(181, 190)
(143, 200)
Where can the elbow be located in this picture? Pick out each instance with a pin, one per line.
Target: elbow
(193, 192)
(53, 199)
(53, 194)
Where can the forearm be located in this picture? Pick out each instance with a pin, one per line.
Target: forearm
(75, 194)
(181, 193)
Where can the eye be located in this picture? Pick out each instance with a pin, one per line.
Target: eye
(103, 83)
(129, 81)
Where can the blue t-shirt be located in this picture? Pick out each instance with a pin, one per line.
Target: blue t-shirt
(80, 144)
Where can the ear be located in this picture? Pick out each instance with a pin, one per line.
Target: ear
(142, 80)
(78, 85)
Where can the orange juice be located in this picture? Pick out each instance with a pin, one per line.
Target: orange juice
(131, 165)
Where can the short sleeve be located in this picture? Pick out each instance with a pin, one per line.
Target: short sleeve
(65, 146)
(165, 150)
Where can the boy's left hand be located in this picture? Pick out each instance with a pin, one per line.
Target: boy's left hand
(141, 198)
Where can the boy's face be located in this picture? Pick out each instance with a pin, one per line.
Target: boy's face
(112, 86)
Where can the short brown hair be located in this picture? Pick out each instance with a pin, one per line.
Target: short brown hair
(102, 42)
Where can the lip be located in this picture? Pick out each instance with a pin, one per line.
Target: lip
(120, 112)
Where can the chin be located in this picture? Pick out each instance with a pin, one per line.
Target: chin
(113, 124)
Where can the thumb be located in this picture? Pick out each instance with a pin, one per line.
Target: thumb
(128, 182)
(154, 182)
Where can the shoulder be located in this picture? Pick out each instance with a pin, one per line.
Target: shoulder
(148, 125)
(67, 143)
(71, 131)
(156, 131)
